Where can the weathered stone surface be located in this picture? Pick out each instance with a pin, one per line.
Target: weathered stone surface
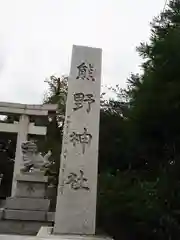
(29, 177)
(30, 190)
(31, 186)
(1, 213)
(24, 215)
(47, 233)
(50, 216)
(76, 201)
(21, 227)
(28, 210)
(27, 204)
(13, 237)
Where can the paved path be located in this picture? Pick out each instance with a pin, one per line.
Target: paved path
(52, 237)
(16, 237)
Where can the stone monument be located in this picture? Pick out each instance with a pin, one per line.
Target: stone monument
(25, 212)
(76, 201)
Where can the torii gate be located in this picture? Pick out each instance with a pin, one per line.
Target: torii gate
(23, 127)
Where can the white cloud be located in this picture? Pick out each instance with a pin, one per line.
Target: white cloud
(37, 37)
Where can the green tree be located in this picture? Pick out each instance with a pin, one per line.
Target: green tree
(153, 130)
(56, 94)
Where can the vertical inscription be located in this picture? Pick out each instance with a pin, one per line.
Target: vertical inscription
(64, 154)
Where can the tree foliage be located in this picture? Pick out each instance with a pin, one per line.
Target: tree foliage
(148, 206)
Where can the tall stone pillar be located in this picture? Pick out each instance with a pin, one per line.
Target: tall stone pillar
(76, 201)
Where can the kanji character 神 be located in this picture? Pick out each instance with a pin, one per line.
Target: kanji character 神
(84, 139)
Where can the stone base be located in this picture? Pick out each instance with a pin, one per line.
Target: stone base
(47, 233)
(31, 186)
(27, 211)
(21, 227)
(24, 222)
(27, 204)
(25, 215)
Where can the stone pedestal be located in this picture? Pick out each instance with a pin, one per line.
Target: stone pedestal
(27, 211)
(31, 186)
(47, 233)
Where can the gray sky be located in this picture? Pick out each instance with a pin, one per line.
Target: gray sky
(36, 38)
